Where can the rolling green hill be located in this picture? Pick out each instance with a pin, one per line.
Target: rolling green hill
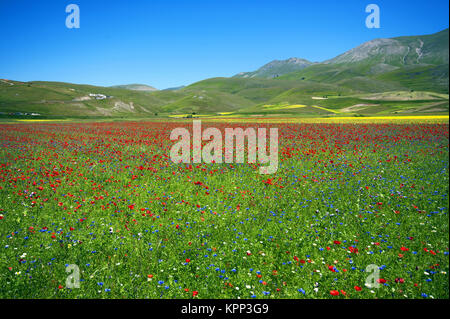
(74, 100)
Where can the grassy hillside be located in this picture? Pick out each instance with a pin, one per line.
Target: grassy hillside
(419, 77)
(73, 100)
(215, 97)
(206, 102)
(360, 77)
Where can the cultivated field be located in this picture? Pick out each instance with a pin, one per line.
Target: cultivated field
(107, 198)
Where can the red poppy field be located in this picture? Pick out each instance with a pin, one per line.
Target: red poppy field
(354, 211)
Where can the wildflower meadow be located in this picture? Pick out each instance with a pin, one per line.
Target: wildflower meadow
(98, 210)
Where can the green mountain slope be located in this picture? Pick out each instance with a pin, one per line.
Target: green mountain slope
(403, 63)
(400, 51)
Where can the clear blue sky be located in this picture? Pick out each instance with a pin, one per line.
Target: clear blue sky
(172, 43)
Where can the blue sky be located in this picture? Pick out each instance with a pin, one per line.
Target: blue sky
(172, 43)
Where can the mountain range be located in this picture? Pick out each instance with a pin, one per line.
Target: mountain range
(401, 75)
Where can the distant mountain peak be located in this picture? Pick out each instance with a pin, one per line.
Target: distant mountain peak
(297, 61)
(399, 51)
(276, 68)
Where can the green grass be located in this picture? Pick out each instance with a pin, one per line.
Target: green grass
(424, 78)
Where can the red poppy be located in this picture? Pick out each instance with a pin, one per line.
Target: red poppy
(334, 292)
